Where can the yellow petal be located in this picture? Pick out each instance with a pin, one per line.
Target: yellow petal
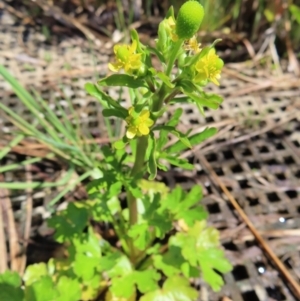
(115, 67)
(144, 115)
(133, 46)
(143, 129)
(131, 132)
(130, 110)
(149, 122)
(215, 81)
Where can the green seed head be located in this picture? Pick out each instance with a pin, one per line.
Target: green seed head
(189, 19)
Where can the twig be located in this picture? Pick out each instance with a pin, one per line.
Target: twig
(56, 13)
(293, 283)
(11, 229)
(253, 134)
(28, 218)
(3, 251)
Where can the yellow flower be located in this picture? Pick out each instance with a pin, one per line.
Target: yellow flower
(209, 67)
(192, 45)
(126, 58)
(171, 28)
(138, 124)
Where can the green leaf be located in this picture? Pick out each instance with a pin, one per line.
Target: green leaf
(105, 100)
(201, 247)
(195, 139)
(169, 263)
(295, 12)
(184, 205)
(187, 86)
(10, 287)
(175, 288)
(211, 101)
(90, 289)
(181, 136)
(85, 266)
(140, 234)
(41, 290)
(34, 272)
(120, 113)
(157, 53)
(146, 280)
(69, 289)
(165, 79)
(183, 163)
(69, 222)
(10, 293)
(173, 121)
(11, 278)
(120, 144)
(122, 80)
(161, 42)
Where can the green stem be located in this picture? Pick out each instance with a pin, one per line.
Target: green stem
(141, 148)
(173, 56)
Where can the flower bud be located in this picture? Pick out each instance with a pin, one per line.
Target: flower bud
(189, 19)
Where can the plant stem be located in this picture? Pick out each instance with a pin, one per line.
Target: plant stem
(141, 148)
(173, 57)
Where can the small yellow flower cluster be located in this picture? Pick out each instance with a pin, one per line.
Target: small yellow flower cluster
(192, 45)
(209, 67)
(171, 28)
(126, 58)
(138, 124)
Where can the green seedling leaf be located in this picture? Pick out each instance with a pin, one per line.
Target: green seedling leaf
(90, 289)
(85, 266)
(10, 293)
(11, 278)
(146, 280)
(175, 288)
(69, 289)
(10, 287)
(120, 144)
(122, 80)
(41, 290)
(140, 234)
(88, 244)
(69, 222)
(201, 247)
(125, 285)
(211, 260)
(169, 263)
(295, 12)
(195, 139)
(185, 205)
(34, 272)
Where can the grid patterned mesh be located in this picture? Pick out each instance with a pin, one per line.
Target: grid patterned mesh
(256, 153)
